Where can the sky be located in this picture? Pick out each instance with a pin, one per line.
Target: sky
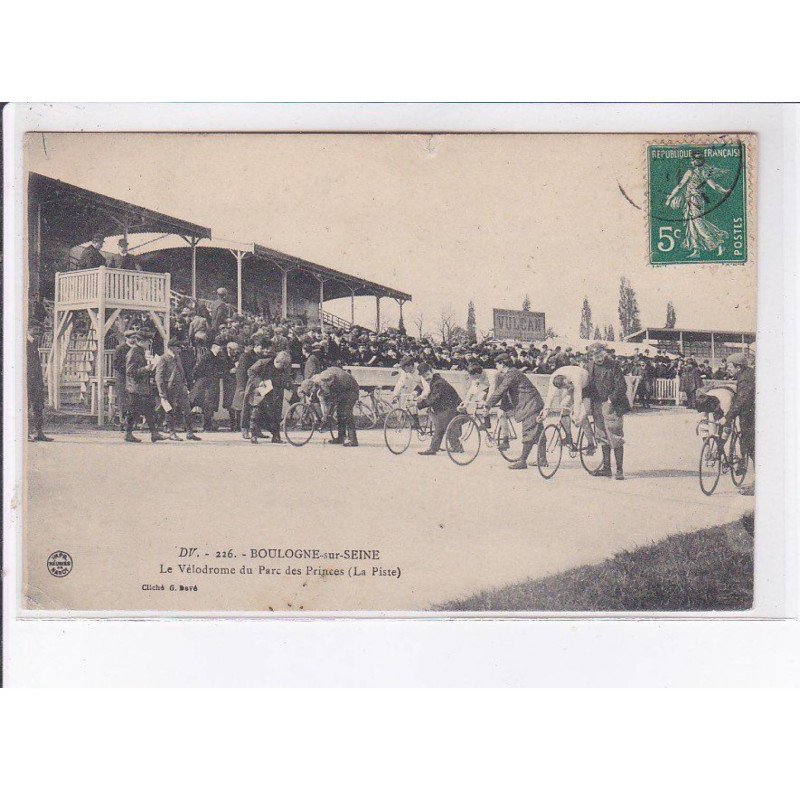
(446, 218)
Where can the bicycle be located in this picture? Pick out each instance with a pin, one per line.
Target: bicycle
(304, 418)
(554, 438)
(715, 460)
(370, 409)
(399, 426)
(470, 425)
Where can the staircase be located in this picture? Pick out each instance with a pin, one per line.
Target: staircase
(338, 322)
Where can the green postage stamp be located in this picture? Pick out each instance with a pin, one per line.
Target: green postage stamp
(697, 196)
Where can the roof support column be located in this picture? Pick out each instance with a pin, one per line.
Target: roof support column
(284, 291)
(192, 241)
(194, 268)
(239, 256)
(377, 313)
(321, 301)
(352, 306)
(713, 355)
(100, 355)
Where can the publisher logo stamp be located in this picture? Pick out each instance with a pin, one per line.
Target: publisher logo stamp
(697, 203)
(59, 564)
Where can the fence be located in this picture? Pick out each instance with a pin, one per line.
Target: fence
(134, 289)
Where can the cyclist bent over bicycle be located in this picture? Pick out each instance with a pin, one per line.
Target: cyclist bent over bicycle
(513, 386)
(410, 386)
(569, 382)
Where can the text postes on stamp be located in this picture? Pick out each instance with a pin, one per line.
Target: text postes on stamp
(697, 203)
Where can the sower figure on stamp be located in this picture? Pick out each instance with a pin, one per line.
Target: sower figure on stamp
(36, 391)
(689, 196)
(138, 373)
(524, 399)
(609, 394)
(173, 390)
(443, 401)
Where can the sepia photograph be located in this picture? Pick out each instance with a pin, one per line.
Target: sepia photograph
(447, 374)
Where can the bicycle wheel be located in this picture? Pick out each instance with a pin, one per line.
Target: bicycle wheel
(364, 416)
(710, 465)
(463, 439)
(738, 461)
(591, 457)
(514, 450)
(299, 424)
(397, 430)
(549, 451)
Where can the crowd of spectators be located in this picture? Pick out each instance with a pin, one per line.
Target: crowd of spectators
(200, 324)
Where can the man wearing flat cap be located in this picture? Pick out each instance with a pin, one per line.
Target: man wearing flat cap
(337, 389)
(524, 399)
(443, 401)
(118, 365)
(173, 390)
(609, 396)
(138, 373)
(743, 406)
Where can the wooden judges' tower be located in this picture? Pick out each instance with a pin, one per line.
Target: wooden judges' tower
(104, 293)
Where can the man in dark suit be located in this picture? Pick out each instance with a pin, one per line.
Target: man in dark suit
(91, 257)
(523, 399)
(608, 392)
(443, 401)
(36, 390)
(251, 354)
(118, 365)
(173, 390)
(138, 373)
(267, 407)
(208, 372)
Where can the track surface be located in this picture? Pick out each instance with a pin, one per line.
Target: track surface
(122, 510)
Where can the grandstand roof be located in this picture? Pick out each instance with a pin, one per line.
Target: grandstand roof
(337, 284)
(360, 286)
(675, 333)
(73, 215)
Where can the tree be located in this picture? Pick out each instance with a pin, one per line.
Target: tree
(526, 303)
(585, 331)
(628, 309)
(597, 334)
(457, 335)
(472, 332)
(550, 334)
(672, 317)
(609, 337)
(446, 325)
(419, 323)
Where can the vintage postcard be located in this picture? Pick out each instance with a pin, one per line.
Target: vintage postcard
(385, 373)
